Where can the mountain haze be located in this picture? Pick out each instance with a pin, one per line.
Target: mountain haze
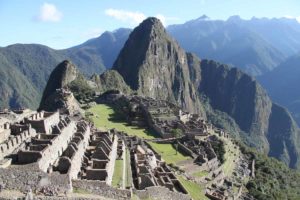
(283, 83)
(246, 44)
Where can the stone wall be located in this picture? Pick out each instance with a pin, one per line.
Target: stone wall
(101, 188)
(11, 144)
(43, 121)
(182, 148)
(112, 158)
(58, 146)
(77, 157)
(45, 154)
(27, 177)
(158, 192)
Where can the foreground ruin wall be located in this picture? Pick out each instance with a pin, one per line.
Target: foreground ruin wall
(11, 144)
(76, 160)
(43, 121)
(101, 188)
(158, 192)
(51, 152)
(27, 177)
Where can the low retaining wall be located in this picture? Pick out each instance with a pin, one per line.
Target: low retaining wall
(186, 150)
(27, 177)
(158, 192)
(101, 188)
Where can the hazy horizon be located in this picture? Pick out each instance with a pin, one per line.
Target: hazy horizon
(61, 24)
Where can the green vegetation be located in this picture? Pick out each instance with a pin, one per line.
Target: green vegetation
(80, 191)
(219, 150)
(118, 174)
(177, 133)
(81, 88)
(273, 179)
(111, 80)
(197, 192)
(231, 154)
(200, 173)
(168, 153)
(108, 118)
(25, 69)
(128, 178)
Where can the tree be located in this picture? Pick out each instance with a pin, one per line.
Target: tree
(177, 133)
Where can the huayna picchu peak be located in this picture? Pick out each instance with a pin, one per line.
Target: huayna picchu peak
(159, 111)
(152, 63)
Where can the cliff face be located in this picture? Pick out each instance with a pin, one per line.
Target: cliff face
(283, 136)
(154, 65)
(240, 96)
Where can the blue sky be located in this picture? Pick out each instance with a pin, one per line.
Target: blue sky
(65, 23)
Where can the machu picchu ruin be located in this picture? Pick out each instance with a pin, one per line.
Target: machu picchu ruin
(62, 152)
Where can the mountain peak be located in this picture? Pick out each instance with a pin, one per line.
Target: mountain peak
(63, 74)
(134, 53)
(203, 18)
(234, 18)
(154, 65)
(152, 21)
(151, 24)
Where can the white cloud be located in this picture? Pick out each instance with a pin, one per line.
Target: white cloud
(133, 18)
(291, 17)
(49, 13)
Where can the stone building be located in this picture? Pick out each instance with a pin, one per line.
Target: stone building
(43, 121)
(148, 170)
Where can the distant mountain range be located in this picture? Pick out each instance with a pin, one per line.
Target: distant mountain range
(256, 46)
(246, 44)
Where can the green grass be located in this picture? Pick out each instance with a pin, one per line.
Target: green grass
(128, 170)
(168, 153)
(118, 174)
(80, 191)
(103, 118)
(200, 173)
(229, 165)
(197, 192)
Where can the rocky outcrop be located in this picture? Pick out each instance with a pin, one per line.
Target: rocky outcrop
(62, 75)
(55, 96)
